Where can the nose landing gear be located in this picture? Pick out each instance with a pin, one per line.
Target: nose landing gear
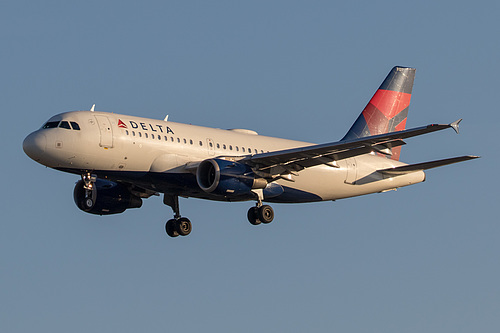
(90, 192)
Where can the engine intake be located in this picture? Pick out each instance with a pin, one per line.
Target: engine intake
(107, 198)
(227, 178)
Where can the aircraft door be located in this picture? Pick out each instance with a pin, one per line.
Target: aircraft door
(106, 131)
(351, 170)
(211, 147)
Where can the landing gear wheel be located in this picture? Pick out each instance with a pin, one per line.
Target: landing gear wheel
(178, 225)
(253, 216)
(184, 226)
(88, 203)
(266, 214)
(171, 227)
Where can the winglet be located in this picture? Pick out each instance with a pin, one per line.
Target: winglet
(454, 124)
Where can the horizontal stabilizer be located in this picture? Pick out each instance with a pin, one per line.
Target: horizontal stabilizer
(424, 166)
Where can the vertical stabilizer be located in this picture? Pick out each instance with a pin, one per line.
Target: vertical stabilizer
(388, 109)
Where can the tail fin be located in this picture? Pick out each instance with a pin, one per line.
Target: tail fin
(387, 110)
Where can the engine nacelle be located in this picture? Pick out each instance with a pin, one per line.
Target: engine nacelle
(107, 198)
(227, 178)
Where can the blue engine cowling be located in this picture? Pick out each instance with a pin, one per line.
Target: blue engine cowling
(107, 198)
(227, 178)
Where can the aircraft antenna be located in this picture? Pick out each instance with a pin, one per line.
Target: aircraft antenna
(92, 108)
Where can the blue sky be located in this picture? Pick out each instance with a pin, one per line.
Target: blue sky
(422, 259)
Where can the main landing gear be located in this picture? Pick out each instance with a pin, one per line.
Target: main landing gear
(260, 213)
(178, 225)
(182, 226)
(263, 214)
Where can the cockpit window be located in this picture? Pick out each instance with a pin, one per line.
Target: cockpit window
(51, 124)
(75, 126)
(64, 124)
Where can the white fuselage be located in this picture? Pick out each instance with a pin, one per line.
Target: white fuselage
(121, 147)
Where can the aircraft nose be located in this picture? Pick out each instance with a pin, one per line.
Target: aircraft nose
(34, 145)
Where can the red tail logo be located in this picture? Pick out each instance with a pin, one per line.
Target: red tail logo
(388, 109)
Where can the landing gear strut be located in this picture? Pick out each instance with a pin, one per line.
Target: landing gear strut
(260, 213)
(178, 225)
(90, 192)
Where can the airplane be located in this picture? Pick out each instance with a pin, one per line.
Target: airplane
(124, 159)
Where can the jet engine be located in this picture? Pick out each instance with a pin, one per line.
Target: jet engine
(227, 178)
(106, 198)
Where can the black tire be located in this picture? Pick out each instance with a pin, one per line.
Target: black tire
(253, 216)
(266, 214)
(170, 228)
(184, 226)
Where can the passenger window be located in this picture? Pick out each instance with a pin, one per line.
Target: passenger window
(243, 149)
(201, 144)
(256, 151)
(126, 132)
(178, 140)
(146, 135)
(75, 126)
(218, 146)
(140, 134)
(237, 148)
(190, 142)
(185, 141)
(224, 146)
(211, 144)
(230, 147)
(64, 124)
(133, 133)
(51, 124)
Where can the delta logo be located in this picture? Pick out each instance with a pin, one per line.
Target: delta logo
(121, 124)
(146, 127)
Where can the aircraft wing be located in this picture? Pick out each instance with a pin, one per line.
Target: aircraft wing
(288, 161)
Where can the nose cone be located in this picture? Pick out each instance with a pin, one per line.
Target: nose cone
(34, 145)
